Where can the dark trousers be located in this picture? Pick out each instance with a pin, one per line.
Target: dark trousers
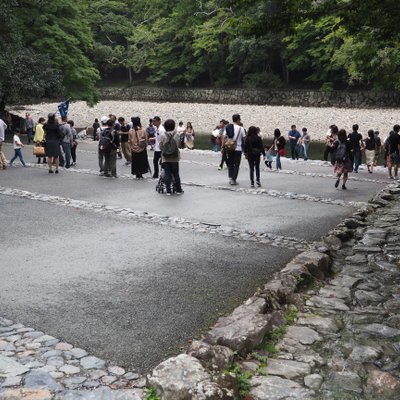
(254, 163)
(110, 162)
(73, 152)
(172, 170)
(156, 162)
(327, 150)
(357, 159)
(223, 159)
(233, 161)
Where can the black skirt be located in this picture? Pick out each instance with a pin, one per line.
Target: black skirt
(140, 163)
(52, 149)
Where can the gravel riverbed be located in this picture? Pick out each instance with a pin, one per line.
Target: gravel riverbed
(204, 117)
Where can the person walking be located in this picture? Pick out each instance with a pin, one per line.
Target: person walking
(96, 126)
(3, 128)
(356, 142)
(234, 137)
(52, 137)
(138, 146)
(305, 143)
(38, 139)
(370, 148)
(294, 136)
(393, 151)
(151, 134)
(170, 156)
(253, 149)
(74, 144)
(343, 158)
(17, 144)
(160, 130)
(223, 124)
(123, 132)
(279, 147)
(30, 125)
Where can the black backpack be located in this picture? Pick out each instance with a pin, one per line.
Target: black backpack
(342, 153)
(106, 139)
(170, 148)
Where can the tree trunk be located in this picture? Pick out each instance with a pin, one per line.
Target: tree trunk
(130, 75)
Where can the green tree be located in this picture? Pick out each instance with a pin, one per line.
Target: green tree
(60, 30)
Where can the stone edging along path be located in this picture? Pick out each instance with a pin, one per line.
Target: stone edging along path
(289, 341)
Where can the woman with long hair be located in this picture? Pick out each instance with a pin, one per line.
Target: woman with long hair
(52, 137)
(138, 143)
(253, 148)
(189, 136)
(343, 158)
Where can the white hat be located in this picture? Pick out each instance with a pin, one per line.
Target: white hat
(104, 119)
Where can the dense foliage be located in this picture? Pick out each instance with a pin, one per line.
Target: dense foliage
(66, 46)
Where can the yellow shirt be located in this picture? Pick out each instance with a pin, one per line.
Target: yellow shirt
(39, 134)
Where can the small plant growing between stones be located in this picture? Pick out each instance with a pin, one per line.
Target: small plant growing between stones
(290, 316)
(242, 380)
(151, 394)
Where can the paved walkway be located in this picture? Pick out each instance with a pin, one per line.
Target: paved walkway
(112, 267)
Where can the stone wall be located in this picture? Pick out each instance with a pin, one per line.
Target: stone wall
(304, 98)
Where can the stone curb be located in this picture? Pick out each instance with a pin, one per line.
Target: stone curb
(199, 374)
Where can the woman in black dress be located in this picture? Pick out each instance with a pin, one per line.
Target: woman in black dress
(52, 137)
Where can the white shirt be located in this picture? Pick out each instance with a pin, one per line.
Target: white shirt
(239, 135)
(17, 142)
(159, 131)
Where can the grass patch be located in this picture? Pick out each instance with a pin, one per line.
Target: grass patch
(243, 380)
(151, 394)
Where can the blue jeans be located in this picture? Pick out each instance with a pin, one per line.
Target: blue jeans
(172, 170)
(67, 153)
(294, 150)
(278, 161)
(305, 150)
(29, 132)
(216, 147)
(17, 153)
(357, 159)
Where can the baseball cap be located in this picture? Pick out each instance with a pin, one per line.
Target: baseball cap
(104, 119)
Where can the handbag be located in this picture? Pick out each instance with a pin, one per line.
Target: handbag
(230, 144)
(39, 151)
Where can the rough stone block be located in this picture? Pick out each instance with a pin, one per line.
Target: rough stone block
(276, 388)
(182, 378)
(212, 357)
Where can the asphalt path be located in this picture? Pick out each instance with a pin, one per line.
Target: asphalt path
(133, 292)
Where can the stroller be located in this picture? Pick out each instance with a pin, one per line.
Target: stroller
(160, 187)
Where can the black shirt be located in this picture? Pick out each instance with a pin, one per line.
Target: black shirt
(393, 142)
(355, 139)
(124, 135)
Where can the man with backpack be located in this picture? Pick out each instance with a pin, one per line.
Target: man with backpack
(169, 148)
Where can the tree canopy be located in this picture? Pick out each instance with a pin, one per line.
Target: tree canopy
(66, 46)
